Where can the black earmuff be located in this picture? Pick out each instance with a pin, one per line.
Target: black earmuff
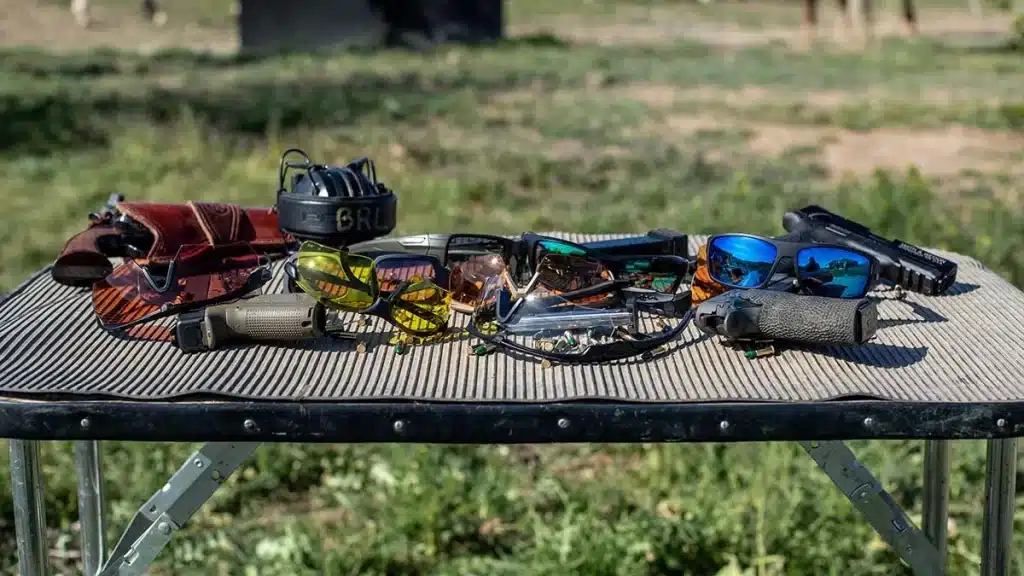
(334, 205)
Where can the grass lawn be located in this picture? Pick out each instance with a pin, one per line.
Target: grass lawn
(594, 116)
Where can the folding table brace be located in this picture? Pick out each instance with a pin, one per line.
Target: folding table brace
(168, 510)
(198, 479)
(867, 495)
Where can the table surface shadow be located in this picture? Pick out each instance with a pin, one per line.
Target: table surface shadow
(957, 359)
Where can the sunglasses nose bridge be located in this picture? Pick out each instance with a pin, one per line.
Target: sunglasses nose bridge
(785, 263)
(399, 290)
(168, 279)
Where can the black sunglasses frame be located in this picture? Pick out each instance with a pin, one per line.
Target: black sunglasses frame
(785, 250)
(609, 287)
(383, 300)
(524, 253)
(527, 249)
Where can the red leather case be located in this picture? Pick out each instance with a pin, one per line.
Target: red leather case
(85, 257)
(175, 225)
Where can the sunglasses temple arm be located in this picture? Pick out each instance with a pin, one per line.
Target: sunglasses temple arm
(644, 345)
(599, 352)
(602, 288)
(368, 288)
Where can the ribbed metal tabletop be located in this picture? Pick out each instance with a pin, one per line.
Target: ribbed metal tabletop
(965, 346)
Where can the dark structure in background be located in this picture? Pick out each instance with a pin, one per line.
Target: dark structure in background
(273, 25)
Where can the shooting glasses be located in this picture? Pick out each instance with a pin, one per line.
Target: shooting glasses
(476, 260)
(199, 275)
(582, 293)
(746, 261)
(408, 291)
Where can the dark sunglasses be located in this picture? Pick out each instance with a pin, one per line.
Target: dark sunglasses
(408, 291)
(475, 259)
(586, 281)
(526, 251)
(587, 288)
(748, 261)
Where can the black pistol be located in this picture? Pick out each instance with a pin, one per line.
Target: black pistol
(764, 315)
(902, 264)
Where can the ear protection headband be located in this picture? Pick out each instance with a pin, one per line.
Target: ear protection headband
(334, 205)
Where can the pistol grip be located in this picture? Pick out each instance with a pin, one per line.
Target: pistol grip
(814, 319)
(793, 222)
(266, 318)
(84, 259)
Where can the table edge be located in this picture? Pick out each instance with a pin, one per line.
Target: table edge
(502, 423)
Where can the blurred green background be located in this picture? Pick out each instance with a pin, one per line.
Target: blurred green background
(593, 116)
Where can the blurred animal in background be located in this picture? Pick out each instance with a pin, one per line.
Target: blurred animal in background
(862, 10)
(151, 11)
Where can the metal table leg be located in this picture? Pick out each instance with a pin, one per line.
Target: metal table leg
(936, 495)
(29, 513)
(90, 505)
(172, 506)
(867, 495)
(1000, 485)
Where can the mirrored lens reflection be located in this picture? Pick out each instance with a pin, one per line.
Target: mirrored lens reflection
(469, 277)
(740, 261)
(545, 247)
(552, 318)
(703, 287)
(557, 274)
(662, 275)
(833, 272)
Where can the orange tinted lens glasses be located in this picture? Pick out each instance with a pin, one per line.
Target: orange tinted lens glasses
(469, 278)
(200, 273)
(703, 288)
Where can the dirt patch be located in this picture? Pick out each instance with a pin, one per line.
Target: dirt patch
(775, 139)
(662, 95)
(665, 96)
(665, 25)
(945, 152)
(52, 27)
(690, 124)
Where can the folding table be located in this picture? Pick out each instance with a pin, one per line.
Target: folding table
(940, 369)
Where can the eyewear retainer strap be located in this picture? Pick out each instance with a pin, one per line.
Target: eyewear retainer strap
(609, 352)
